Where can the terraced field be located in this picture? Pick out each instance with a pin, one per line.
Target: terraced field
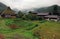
(27, 29)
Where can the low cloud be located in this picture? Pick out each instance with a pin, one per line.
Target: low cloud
(26, 4)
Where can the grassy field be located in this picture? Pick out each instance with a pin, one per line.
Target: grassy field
(27, 29)
(48, 30)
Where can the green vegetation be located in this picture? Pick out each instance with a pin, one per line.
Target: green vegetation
(27, 29)
(24, 28)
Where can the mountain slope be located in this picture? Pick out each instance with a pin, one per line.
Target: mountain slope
(47, 9)
(2, 6)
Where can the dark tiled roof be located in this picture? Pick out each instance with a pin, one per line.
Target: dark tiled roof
(42, 13)
(52, 16)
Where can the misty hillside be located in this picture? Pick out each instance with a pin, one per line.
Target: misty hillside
(47, 9)
(43, 9)
(2, 6)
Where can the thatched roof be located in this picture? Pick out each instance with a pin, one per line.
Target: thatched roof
(8, 11)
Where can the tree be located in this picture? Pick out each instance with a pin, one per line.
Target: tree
(24, 17)
(20, 14)
(32, 16)
(55, 9)
(30, 12)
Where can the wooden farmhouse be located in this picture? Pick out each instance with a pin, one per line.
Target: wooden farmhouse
(8, 13)
(48, 16)
(41, 15)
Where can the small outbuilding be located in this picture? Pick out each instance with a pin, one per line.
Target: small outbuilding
(52, 17)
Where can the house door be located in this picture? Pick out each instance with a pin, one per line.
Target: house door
(3, 15)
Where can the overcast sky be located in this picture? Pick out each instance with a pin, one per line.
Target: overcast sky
(25, 4)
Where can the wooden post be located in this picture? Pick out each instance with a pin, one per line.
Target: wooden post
(53, 36)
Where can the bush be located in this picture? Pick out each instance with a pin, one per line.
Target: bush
(42, 21)
(37, 34)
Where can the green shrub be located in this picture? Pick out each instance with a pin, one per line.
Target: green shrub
(8, 22)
